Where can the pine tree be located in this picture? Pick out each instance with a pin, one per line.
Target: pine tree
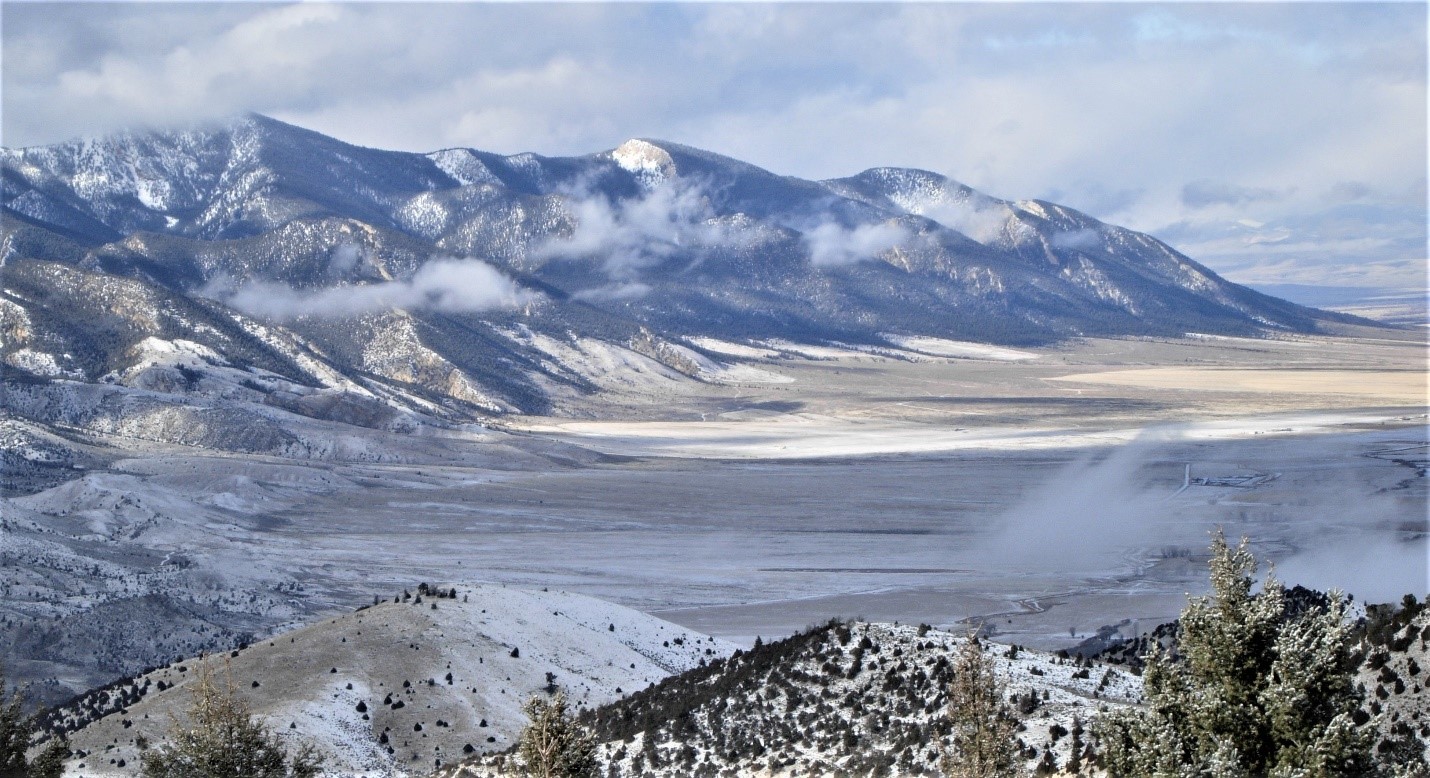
(50, 763)
(14, 732)
(1255, 692)
(1076, 746)
(554, 746)
(223, 739)
(983, 728)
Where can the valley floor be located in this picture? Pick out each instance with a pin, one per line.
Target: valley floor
(1048, 496)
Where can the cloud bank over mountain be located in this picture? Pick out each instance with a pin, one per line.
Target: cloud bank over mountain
(443, 285)
(1189, 121)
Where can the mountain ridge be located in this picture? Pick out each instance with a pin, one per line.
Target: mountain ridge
(458, 284)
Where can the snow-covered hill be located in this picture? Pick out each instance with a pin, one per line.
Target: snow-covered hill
(406, 688)
(843, 699)
(403, 686)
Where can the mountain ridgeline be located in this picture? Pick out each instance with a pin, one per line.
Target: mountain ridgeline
(285, 267)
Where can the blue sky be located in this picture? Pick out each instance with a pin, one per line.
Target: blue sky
(1275, 142)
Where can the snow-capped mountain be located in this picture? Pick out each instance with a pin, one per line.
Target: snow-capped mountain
(260, 262)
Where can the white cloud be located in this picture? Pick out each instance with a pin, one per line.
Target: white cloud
(448, 285)
(1084, 239)
(832, 245)
(1017, 100)
(630, 235)
(633, 290)
(981, 221)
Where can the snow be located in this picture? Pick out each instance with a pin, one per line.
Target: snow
(40, 363)
(463, 166)
(734, 349)
(608, 365)
(958, 349)
(152, 350)
(1064, 691)
(815, 436)
(647, 161)
(723, 373)
(1397, 387)
(587, 647)
(818, 352)
(426, 215)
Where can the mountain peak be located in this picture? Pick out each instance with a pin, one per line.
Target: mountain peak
(644, 159)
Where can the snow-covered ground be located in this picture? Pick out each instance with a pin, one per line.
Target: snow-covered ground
(434, 674)
(810, 436)
(853, 699)
(958, 349)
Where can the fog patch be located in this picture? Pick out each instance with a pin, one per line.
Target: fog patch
(983, 221)
(629, 236)
(633, 290)
(345, 259)
(1100, 514)
(449, 285)
(1375, 568)
(1205, 193)
(832, 245)
(1078, 240)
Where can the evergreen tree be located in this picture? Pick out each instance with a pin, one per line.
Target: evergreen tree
(1076, 747)
(15, 732)
(554, 746)
(50, 763)
(983, 729)
(1255, 692)
(223, 739)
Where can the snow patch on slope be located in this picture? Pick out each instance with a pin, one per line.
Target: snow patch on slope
(432, 673)
(647, 161)
(723, 373)
(957, 349)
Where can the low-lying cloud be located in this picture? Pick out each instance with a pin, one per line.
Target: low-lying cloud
(346, 259)
(981, 221)
(449, 285)
(1400, 567)
(1108, 510)
(629, 236)
(833, 245)
(1084, 239)
(1205, 192)
(632, 290)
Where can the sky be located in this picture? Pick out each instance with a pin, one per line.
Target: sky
(1275, 142)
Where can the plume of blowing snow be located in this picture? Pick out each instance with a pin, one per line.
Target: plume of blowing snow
(449, 285)
(1086, 516)
(832, 245)
(1102, 512)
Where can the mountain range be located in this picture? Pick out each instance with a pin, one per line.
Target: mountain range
(263, 266)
